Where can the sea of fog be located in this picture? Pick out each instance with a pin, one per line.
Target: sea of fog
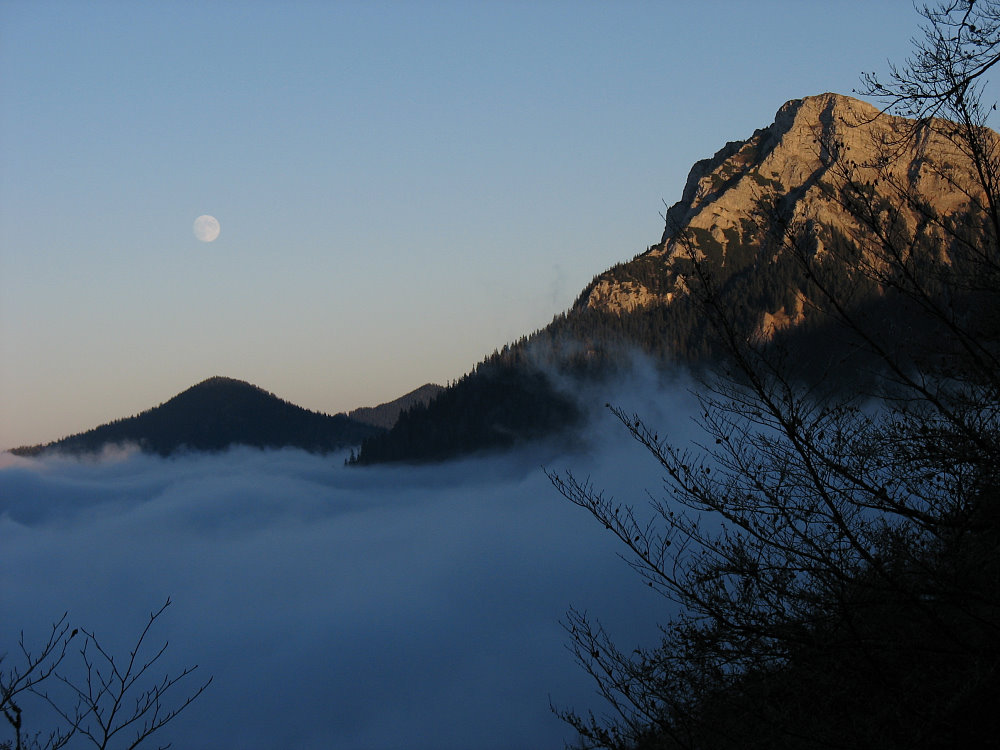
(350, 608)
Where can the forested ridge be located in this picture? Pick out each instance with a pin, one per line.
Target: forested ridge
(214, 415)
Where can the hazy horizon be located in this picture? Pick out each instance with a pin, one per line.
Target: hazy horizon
(401, 188)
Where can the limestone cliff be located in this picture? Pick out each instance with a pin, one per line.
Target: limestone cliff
(788, 180)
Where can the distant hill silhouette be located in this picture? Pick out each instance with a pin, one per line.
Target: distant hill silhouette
(214, 415)
(385, 415)
(496, 407)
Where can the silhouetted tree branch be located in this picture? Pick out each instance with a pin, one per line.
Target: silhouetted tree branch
(832, 544)
(106, 702)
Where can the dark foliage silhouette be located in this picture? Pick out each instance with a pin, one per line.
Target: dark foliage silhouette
(831, 553)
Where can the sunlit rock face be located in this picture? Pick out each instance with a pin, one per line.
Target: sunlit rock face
(788, 181)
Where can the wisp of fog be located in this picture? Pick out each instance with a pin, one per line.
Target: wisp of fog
(384, 607)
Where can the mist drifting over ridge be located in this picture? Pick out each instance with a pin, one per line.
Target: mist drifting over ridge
(382, 607)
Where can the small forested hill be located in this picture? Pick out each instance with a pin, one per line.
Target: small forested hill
(504, 401)
(214, 415)
(818, 180)
(385, 415)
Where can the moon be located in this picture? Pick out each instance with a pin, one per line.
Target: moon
(206, 228)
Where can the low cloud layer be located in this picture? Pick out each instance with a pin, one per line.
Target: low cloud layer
(387, 607)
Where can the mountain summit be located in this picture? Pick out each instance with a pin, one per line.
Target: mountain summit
(790, 178)
(822, 180)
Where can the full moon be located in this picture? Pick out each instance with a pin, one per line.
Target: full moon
(206, 228)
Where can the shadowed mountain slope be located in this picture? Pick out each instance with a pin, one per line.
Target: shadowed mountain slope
(824, 178)
(385, 415)
(502, 403)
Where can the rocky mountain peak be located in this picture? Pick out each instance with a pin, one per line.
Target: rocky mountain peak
(790, 174)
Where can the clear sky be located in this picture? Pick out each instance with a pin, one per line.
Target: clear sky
(402, 186)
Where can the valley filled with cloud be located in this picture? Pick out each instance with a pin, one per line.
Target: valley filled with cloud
(396, 606)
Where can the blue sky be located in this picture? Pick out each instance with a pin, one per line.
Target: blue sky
(402, 187)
